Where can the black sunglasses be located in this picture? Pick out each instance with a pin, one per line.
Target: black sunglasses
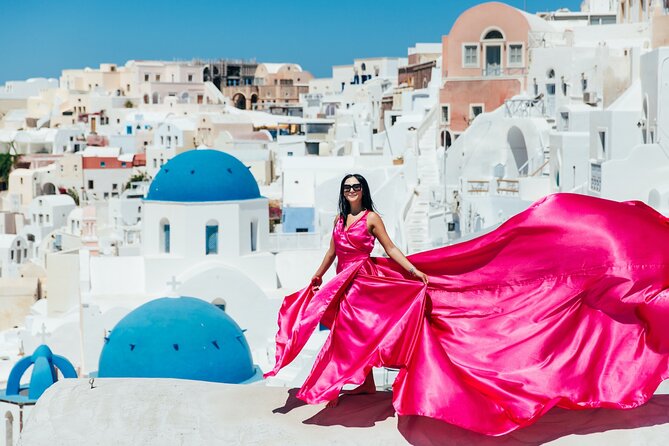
(352, 187)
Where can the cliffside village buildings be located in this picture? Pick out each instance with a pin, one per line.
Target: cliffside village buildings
(209, 178)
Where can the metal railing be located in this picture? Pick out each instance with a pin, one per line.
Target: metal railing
(524, 108)
(498, 71)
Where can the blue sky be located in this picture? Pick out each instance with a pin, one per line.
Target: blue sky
(39, 38)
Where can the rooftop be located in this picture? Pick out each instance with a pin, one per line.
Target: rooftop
(213, 413)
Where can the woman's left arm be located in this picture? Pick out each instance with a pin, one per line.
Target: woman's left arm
(378, 229)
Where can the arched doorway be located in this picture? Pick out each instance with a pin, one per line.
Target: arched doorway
(446, 139)
(48, 189)
(518, 146)
(206, 76)
(254, 101)
(239, 101)
(493, 41)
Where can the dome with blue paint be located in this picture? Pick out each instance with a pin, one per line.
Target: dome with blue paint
(184, 338)
(203, 175)
(44, 364)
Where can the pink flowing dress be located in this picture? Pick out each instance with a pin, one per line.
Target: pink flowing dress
(566, 304)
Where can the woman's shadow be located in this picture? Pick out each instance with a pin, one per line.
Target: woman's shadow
(367, 410)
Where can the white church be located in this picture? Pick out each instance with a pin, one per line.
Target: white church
(204, 234)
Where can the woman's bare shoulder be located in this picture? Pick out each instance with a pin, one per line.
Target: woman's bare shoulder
(373, 217)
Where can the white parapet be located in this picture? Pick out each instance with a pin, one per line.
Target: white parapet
(180, 412)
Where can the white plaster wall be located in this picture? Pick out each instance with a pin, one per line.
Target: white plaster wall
(621, 130)
(188, 222)
(63, 286)
(112, 275)
(633, 177)
(104, 180)
(570, 159)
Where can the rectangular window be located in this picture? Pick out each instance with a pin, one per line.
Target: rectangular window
(602, 143)
(146, 78)
(445, 114)
(470, 55)
(166, 239)
(114, 186)
(254, 235)
(103, 164)
(211, 234)
(475, 110)
(155, 163)
(90, 184)
(190, 78)
(157, 77)
(516, 54)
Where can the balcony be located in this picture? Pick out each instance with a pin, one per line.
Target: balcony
(498, 71)
(294, 241)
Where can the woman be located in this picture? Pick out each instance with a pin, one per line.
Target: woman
(356, 206)
(564, 305)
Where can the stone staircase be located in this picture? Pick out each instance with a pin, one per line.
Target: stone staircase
(418, 217)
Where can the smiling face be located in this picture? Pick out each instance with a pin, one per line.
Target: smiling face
(352, 190)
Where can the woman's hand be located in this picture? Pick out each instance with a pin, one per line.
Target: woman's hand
(316, 282)
(421, 275)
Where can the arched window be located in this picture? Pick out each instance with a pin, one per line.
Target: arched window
(493, 34)
(211, 237)
(155, 98)
(164, 232)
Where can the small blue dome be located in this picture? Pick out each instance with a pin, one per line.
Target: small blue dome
(184, 337)
(203, 175)
(44, 364)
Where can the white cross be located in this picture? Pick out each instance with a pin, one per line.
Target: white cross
(44, 333)
(173, 283)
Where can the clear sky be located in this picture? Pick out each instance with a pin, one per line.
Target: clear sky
(39, 38)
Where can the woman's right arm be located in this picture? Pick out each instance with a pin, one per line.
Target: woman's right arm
(329, 257)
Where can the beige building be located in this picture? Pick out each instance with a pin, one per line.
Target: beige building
(275, 85)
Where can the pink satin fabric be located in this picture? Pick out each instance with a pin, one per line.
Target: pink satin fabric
(565, 304)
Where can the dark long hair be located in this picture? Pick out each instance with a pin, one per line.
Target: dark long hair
(367, 203)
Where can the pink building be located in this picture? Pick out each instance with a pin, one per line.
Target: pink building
(484, 62)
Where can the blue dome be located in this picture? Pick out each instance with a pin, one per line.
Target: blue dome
(203, 175)
(184, 337)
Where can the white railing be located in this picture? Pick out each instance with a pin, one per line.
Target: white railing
(294, 241)
(425, 125)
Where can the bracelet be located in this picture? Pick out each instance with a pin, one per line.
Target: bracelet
(412, 271)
